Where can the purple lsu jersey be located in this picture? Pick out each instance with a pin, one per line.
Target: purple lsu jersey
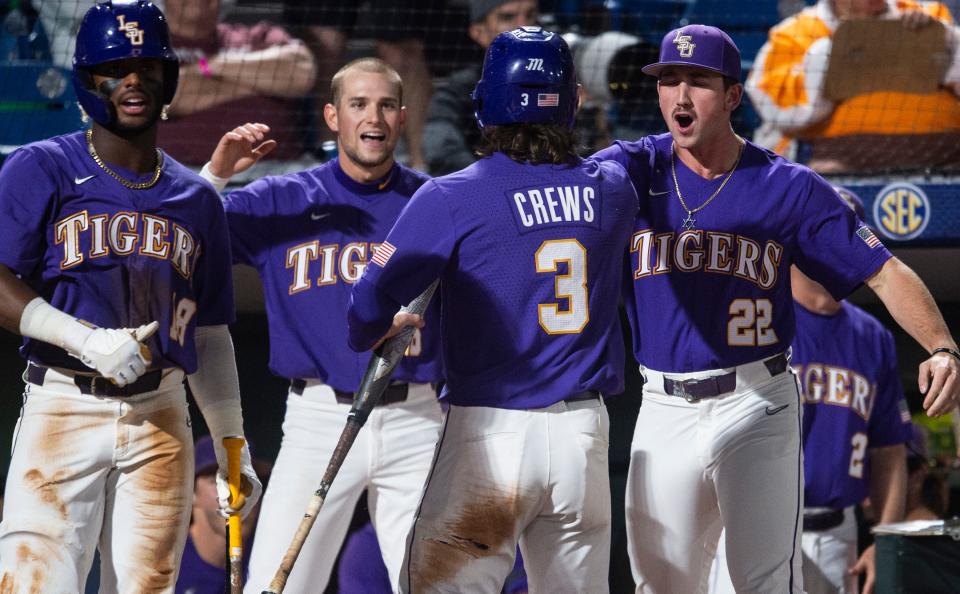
(310, 235)
(852, 401)
(719, 295)
(530, 261)
(114, 256)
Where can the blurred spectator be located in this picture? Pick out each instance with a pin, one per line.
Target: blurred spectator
(873, 131)
(231, 73)
(203, 568)
(927, 495)
(451, 132)
(398, 28)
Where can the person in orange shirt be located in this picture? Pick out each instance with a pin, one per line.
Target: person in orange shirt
(876, 131)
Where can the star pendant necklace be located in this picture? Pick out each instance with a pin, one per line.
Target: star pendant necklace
(690, 223)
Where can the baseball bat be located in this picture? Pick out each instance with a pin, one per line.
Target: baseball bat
(234, 445)
(375, 380)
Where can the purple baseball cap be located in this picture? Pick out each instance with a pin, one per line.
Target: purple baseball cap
(698, 45)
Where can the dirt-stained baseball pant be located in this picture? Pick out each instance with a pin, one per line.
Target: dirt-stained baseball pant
(729, 461)
(538, 477)
(827, 554)
(390, 458)
(88, 471)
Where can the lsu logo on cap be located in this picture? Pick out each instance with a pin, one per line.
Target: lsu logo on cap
(902, 211)
(132, 30)
(685, 44)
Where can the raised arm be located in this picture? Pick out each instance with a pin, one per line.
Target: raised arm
(912, 306)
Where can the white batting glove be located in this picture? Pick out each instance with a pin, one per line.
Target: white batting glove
(250, 486)
(118, 354)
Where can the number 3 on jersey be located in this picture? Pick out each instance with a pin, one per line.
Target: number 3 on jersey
(183, 312)
(571, 286)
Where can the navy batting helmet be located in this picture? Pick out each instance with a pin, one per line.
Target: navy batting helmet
(116, 30)
(528, 78)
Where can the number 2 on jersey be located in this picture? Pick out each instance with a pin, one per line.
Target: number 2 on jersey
(859, 444)
(571, 286)
(750, 324)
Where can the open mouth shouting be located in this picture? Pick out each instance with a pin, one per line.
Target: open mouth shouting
(684, 122)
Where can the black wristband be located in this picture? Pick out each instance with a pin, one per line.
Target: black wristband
(947, 350)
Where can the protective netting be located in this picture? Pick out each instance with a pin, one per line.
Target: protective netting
(847, 92)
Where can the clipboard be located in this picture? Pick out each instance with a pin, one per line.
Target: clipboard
(871, 55)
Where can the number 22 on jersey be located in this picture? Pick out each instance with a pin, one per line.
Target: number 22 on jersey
(570, 286)
(750, 323)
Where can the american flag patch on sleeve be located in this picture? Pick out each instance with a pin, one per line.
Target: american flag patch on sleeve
(868, 237)
(548, 99)
(382, 253)
(904, 411)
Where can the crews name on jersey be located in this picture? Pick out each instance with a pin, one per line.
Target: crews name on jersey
(554, 204)
(836, 386)
(709, 251)
(120, 235)
(350, 262)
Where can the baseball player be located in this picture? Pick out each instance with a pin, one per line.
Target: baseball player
(717, 441)
(528, 245)
(113, 258)
(855, 425)
(310, 235)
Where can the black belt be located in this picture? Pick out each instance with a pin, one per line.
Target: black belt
(708, 387)
(583, 396)
(392, 395)
(97, 385)
(820, 521)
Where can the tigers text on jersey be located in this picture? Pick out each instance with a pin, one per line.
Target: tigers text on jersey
(852, 400)
(114, 256)
(733, 303)
(310, 235)
(530, 259)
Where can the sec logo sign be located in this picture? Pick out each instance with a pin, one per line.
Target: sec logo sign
(901, 211)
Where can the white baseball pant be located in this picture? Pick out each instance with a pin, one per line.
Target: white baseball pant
(89, 471)
(538, 477)
(827, 554)
(730, 461)
(390, 458)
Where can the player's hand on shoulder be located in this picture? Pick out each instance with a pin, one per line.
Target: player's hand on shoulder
(940, 384)
(240, 148)
(250, 486)
(118, 353)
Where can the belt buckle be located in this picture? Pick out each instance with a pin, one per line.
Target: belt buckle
(97, 387)
(680, 389)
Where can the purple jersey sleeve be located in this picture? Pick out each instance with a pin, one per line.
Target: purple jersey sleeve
(419, 245)
(253, 219)
(28, 191)
(834, 247)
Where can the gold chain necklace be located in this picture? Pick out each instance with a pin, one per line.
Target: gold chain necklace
(689, 223)
(132, 185)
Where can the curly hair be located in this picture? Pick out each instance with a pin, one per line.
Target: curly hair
(530, 143)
